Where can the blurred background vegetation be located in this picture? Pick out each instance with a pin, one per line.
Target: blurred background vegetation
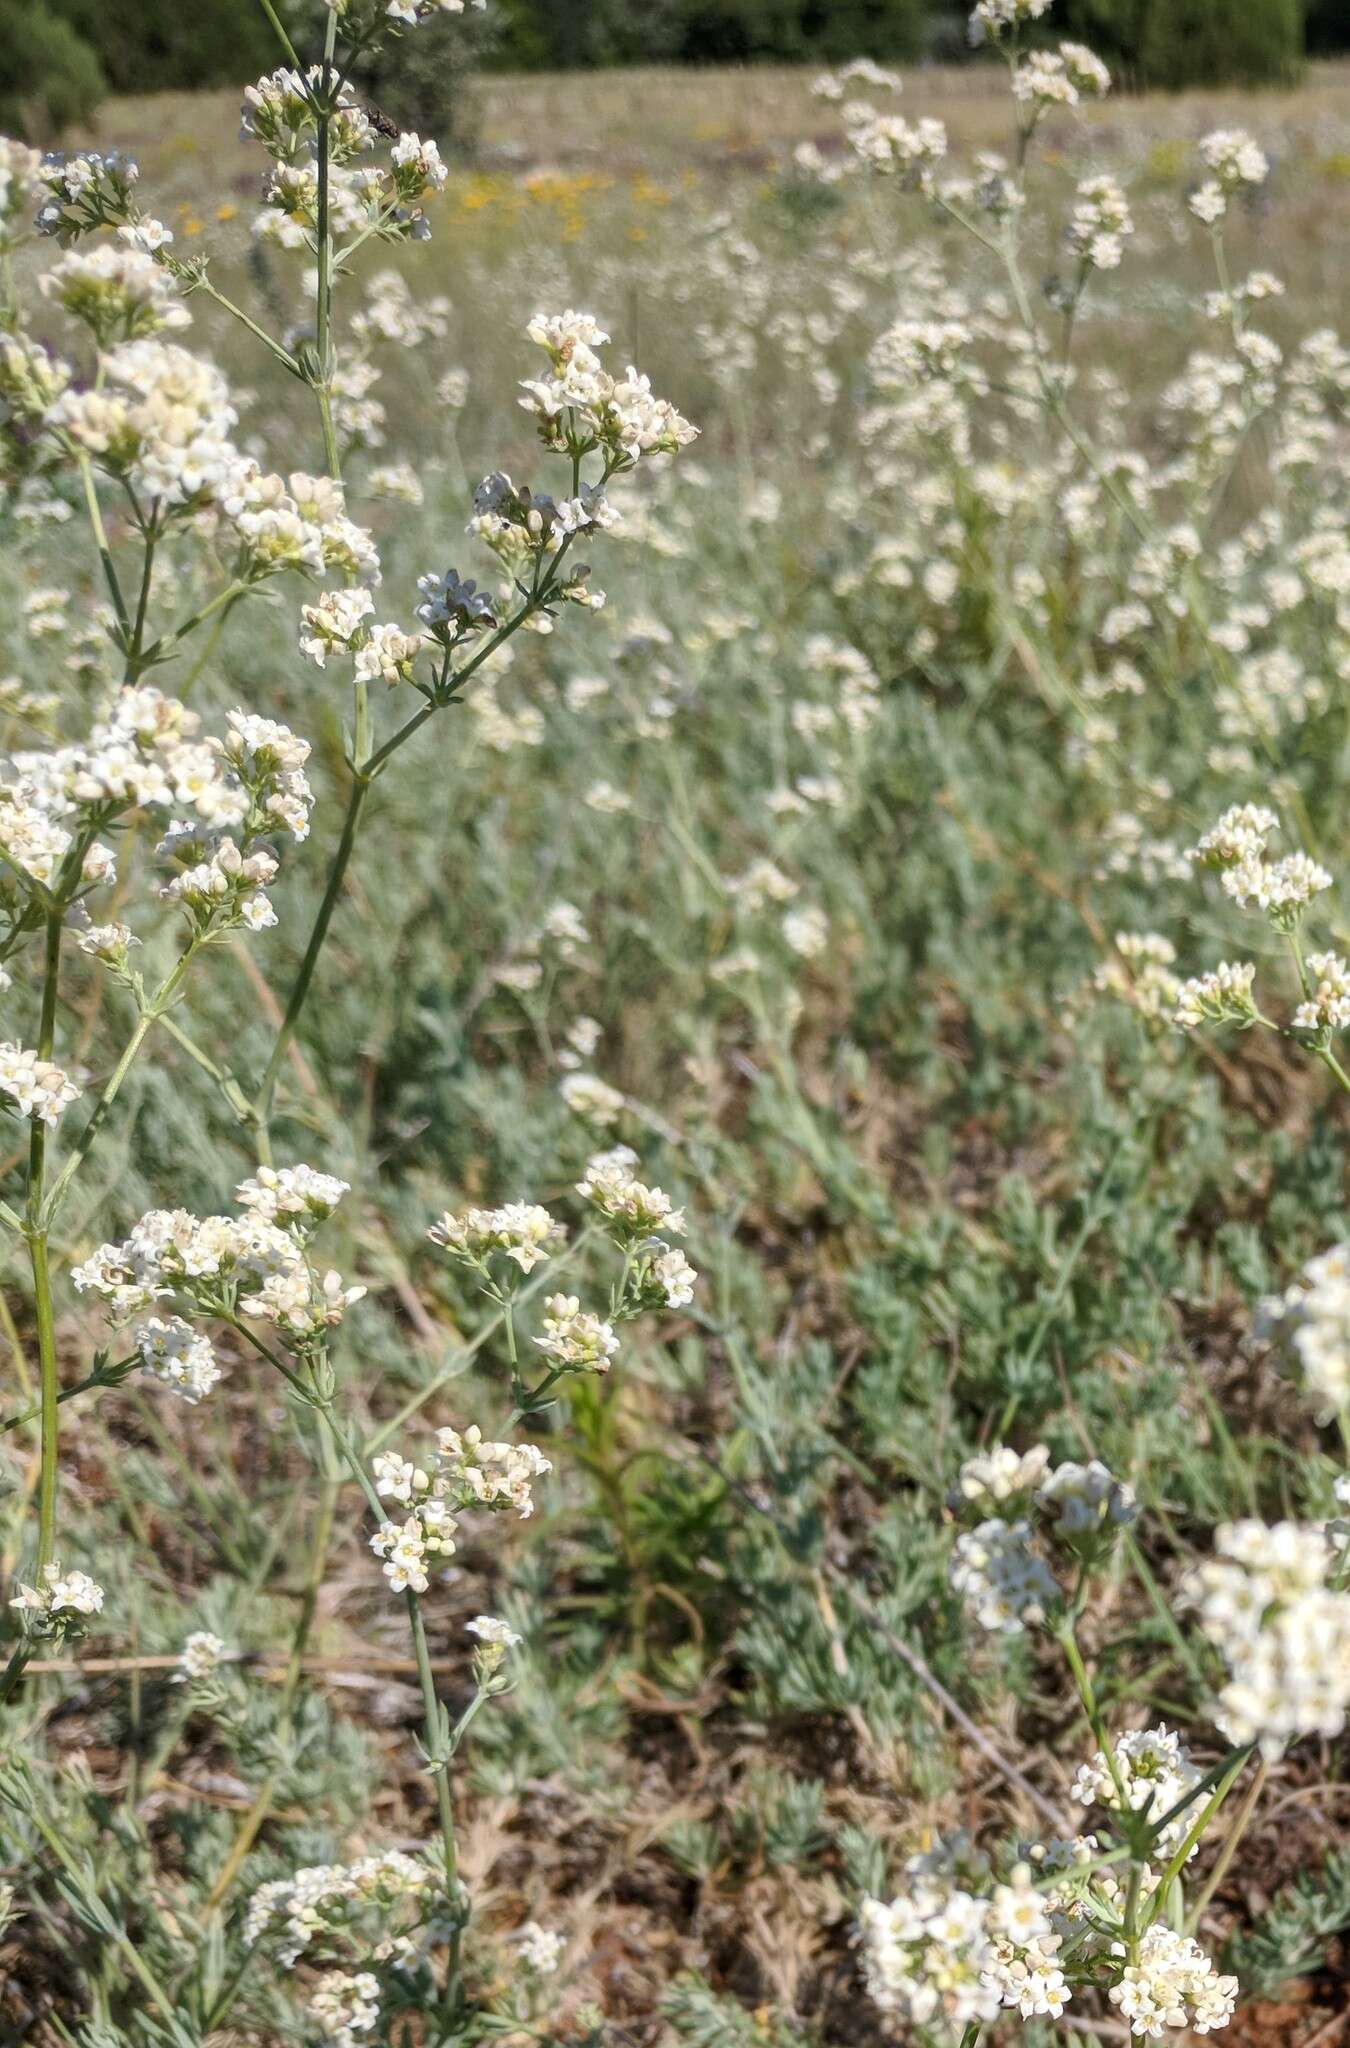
(58, 58)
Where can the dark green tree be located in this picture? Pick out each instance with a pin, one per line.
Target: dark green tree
(828, 31)
(163, 45)
(1172, 44)
(50, 78)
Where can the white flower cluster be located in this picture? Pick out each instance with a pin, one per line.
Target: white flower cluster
(996, 1567)
(1326, 1008)
(540, 1948)
(1048, 78)
(83, 192)
(467, 1471)
(992, 1478)
(1086, 1499)
(1311, 1321)
(21, 184)
(1172, 1983)
(581, 406)
(592, 1099)
(952, 1948)
(34, 1087)
(911, 150)
(182, 1358)
(1154, 1771)
(119, 292)
(160, 419)
(412, 12)
(575, 1339)
(62, 1602)
(297, 522)
(1236, 846)
(490, 1629)
(1233, 160)
(254, 1265)
(630, 1208)
(283, 111)
(1099, 223)
(1139, 974)
(939, 1952)
(201, 1656)
(337, 624)
(346, 2004)
(1264, 1599)
(1222, 995)
(144, 753)
(994, 16)
(1001, 1577)
(832, 85)
(523, 1232)
(317, 1905)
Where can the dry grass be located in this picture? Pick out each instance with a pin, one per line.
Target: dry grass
(666, 117)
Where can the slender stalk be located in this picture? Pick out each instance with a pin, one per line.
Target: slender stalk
(509, 1331)
(49, 1382)
(51, 1396)
(1068, 1642)
(438, 1748)
(337, 874)
(287, 45)
(434, 1720)
(365, 774)
(269, 342)
(134, 661)
(1226, 1854)
(75, 1872)
(150, 1014)
(101, 543)
(1181, 1855)
(222, 600)
(323, 311)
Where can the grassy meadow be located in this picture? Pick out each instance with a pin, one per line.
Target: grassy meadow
(883, 734)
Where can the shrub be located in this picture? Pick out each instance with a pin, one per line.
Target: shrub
(50, 77)
(162, 45)
(1173, 44)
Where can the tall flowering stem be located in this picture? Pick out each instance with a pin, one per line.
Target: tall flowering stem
(324, 306)
(438, 1741)
(35, 1228)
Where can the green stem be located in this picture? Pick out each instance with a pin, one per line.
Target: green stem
(49, 1383)
(16, 1421)
(1231, 1840)
(287, 45)
(432, 1711)
(336, 876)
(76, 1872)
(51, 1395)
(323, 312)
(1333, 1066)
(1181, 1855)
(163, 996)
(269, 342)
(509, 1331)
(365, 774)
(221, 601)
(1068, 1642)
(433, 1717)
(101, 542)
(134, 662)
